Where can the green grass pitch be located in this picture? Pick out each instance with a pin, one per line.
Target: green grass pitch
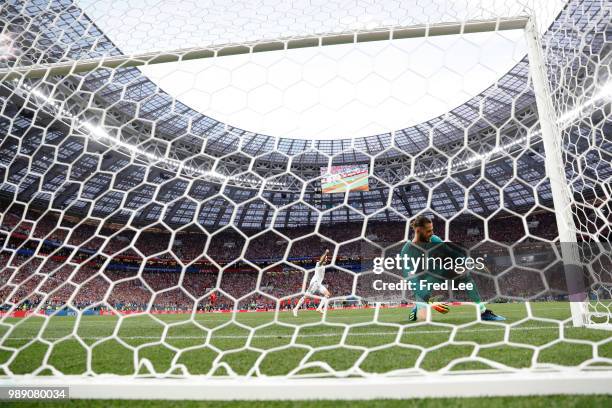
(568, 401)
(214, 344)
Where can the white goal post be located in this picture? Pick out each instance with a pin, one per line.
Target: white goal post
(440, 386)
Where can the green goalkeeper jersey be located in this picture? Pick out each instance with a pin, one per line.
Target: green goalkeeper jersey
(432, 249)
(414, 251)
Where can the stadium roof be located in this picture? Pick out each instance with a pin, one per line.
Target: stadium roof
(143, 115)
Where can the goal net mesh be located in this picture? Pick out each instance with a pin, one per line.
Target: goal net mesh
(148, 227)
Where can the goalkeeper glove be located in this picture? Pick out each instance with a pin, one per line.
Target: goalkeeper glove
(440, 307)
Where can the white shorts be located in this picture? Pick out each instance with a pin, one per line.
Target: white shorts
(315, 287)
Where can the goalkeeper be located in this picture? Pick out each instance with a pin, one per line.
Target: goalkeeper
(420, 245)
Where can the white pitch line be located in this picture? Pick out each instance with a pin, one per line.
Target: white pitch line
(276, 336)
(224, 317)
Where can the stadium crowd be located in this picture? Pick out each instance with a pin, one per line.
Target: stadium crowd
(50, 263)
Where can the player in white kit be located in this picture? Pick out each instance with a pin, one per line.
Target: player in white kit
(316, 285)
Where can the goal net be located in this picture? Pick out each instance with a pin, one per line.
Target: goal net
(171, 175)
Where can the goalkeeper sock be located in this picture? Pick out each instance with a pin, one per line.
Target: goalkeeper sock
(474, 294)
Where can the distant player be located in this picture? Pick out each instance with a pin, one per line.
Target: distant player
(212, 300)
(316, 286)
(423, 237)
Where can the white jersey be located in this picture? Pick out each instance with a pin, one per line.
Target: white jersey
(319, 273)
(316, 282)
